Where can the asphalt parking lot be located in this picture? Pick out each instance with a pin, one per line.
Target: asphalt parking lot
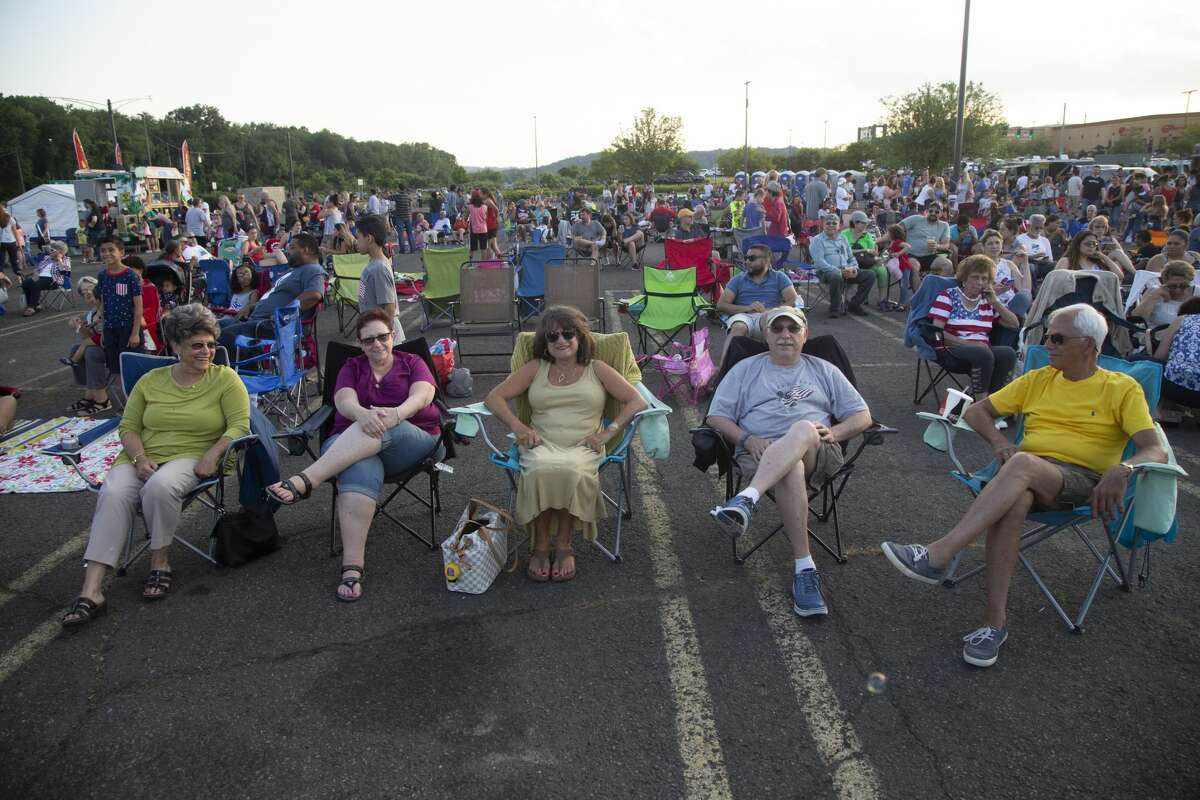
(675, 673)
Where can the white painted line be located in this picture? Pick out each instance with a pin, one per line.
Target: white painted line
(45, 375)
(834, 735)
(27, 648)
(48, 320)
(69, 549)
(704, 774)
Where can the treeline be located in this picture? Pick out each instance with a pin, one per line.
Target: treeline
(35, 148)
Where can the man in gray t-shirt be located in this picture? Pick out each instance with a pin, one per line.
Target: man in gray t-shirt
(587, 235)
(815, 193)
(786, 414)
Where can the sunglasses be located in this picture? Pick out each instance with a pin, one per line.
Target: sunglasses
(793, 328)
(554, 336)
(198, 346)
(382, 338)
(756, 258)
(1058, 339)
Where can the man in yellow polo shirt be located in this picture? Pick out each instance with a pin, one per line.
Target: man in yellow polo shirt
(1078, 418)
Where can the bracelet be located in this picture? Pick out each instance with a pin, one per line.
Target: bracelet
(135, 458)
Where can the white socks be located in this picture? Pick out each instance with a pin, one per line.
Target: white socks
(750, 492)
(805, 563)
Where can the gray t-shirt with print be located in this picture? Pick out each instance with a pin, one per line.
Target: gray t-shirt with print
(377, 285)
(766, 399)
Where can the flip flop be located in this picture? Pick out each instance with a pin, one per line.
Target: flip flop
(297, 496)
(350, 583)
(564, 552)
(544, 556)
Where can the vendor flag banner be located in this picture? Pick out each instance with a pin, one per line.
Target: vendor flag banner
(186, 154)
(117, 154)
(80, 156)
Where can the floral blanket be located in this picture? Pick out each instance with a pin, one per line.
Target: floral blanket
(23, 470)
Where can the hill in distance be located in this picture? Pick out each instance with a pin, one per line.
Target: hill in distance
(707, 159)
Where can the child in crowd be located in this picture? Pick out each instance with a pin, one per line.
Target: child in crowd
(86, 326)
(120, 291)
(243, 295)
(168, 298)
(900, 265)
(942, 266)
(421, 231)
(151, 308)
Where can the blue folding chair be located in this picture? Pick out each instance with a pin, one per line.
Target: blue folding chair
(916, 330)
(209, 492)
(275, 376)
(216, 282)
(809, 285)
(531, 277)
(1149, 506)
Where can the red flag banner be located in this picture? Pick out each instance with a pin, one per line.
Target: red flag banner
(117, 155)
(81, 161)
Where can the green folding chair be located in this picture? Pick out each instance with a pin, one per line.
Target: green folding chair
(230, 250)
(347, 273)
(667, 306)
(441, 283)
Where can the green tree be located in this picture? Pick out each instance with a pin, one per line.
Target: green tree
(920, 125)
(605, 166)
(651, 147)
(484, 177)
(732, 161)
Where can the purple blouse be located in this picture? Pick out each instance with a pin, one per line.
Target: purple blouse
(389, 392)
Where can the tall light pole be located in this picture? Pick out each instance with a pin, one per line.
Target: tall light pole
(1062, 133)
(291, 167)
(536, 178)
(962, 93)
(1187, 107)
(746, 140)
(146, 130)
(825, 137)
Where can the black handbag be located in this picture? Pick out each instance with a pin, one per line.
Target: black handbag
(245, 535)
(865, 258)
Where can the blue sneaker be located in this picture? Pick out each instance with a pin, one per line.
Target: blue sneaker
(735, 515)
(982, 646)
(807, 600)
(913, 560)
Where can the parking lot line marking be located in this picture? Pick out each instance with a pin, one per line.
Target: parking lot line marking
(45, 375)
(704, 773)
(28, 647)
(69, 549)
(834, 735)
(49, 320)
(876, 328)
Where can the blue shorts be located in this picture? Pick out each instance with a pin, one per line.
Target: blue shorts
(402, 447)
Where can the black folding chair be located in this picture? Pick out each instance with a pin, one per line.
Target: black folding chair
(319, 426)
(711, 447)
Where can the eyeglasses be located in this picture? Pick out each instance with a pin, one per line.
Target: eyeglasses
(756, 258)
(554, 336)
(198, 346)
(1177, 287)
(367, 341)
(1059, 340)
(793, 328)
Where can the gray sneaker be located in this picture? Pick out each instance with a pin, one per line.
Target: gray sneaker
(913, 561)
(982, 647)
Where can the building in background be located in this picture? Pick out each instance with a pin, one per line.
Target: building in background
(1089, 137)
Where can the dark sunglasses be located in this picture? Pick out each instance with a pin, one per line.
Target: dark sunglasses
(198, 346)
(553, 336)
(793, 328)
(381, 338)
(756, 258)
(1059, 340)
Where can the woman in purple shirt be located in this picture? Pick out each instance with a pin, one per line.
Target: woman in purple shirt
(385, 423)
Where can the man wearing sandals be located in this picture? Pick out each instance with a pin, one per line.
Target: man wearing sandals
(177, 425)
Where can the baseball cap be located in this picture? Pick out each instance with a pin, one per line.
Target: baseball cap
(773, 314)
(859, 216)
(686, 212)
(773, 187)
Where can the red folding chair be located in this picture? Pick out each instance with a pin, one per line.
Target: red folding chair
(695, 253)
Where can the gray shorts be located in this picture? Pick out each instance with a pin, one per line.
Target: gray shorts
(829, 460)
(1078, 483)
(752, 320)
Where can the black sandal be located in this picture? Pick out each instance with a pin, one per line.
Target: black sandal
(159, 579)
(85, 611)
(291, 488)
(350, 583)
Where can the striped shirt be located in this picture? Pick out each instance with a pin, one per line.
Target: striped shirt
(961, 321)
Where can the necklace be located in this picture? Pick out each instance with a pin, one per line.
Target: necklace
(564, 378)
(970, 304)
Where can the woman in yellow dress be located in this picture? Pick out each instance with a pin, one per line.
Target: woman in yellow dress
(562, 447)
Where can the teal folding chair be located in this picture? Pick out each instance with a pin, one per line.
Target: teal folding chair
(1149, 508)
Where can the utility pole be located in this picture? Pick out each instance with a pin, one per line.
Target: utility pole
(245, 179)
(291, 168)
(112, 121)
(1187, 107)
(1062, 133)
(536, 179)
(146, 129)
(20, 170)
(825, 137)
(746, 145)
(962, 93)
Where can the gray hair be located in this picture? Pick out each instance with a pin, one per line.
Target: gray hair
(1087, 320)
(1037, 219)
(184, 322)
(86, 283)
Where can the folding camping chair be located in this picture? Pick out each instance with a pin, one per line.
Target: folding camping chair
(1100, 290)
(696, 254)
(710, 447)
(217, 291)
(441, 283)
(230, 250)
(924, 337)
(319, 425)
(60, 296)
(613, 349)
(576, 282)
(487, 306)
(209, 492)
(668, 305)
(347, 272)
(531, 277)
(804, 276)
(1148, 511)
(282, 390)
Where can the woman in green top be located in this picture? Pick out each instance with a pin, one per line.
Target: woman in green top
(861, 240)
(177, 425)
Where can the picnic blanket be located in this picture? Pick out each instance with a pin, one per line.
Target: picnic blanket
(23, 470)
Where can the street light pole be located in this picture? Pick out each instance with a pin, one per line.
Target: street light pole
(112, 121)
(1187, 106)
(746, 144)
(291, 167)
(536, 178)
(825, 137)
(962, 93)
(1062, 133)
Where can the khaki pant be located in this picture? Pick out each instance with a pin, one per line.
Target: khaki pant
(161, 499)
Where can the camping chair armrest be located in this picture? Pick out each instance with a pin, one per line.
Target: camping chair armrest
(654, 408)
(469, 422)
(309, 427)
(73, 458)
(871, 436)
(1155, 467)
(939, 435)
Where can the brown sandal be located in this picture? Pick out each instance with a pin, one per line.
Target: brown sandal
(157, 585)
(562, 553)
(538, 557)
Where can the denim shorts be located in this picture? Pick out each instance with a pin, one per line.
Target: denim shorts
(402, 447)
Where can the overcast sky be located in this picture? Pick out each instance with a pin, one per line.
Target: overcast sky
(468, 77)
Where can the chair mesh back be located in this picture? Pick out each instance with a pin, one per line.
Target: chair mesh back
(781, 246)
(287, 336)
(135, 365)
(486, 295)
(441, 271)
(576, 283)
(216, 281)
(532, 272)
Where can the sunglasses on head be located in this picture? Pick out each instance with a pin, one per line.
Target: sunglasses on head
(1059, 340)
(382, 338)
(567, 335)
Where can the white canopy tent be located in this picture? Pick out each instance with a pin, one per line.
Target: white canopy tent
(59, 201)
